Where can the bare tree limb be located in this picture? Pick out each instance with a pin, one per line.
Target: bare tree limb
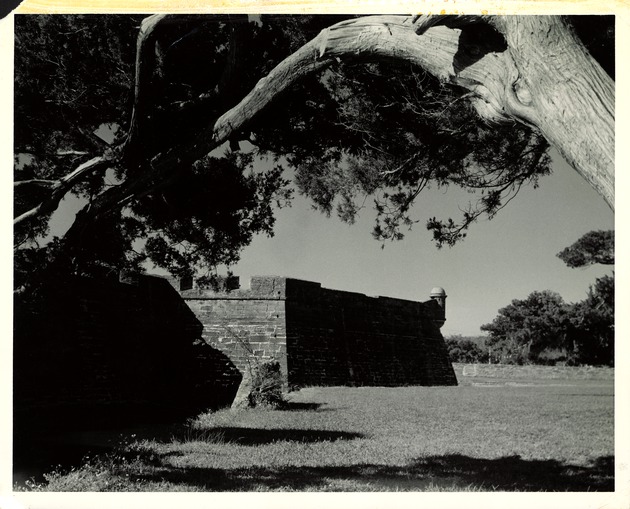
(63, 153)
(35, 182)
(63, 185)
(146, 39)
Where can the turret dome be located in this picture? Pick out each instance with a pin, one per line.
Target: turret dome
(438, 291)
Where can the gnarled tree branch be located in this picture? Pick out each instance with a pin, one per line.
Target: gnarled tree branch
(537, 73)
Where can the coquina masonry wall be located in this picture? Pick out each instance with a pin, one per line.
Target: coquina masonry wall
(244, 324)
(325, 337)
(99, 349)
(105, 349)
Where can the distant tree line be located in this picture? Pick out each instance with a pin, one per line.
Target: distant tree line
(467, 349)
(543, 329)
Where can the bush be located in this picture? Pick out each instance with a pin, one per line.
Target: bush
(466, 350)
(266, 385)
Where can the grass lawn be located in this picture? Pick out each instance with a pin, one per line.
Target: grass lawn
(538, 436)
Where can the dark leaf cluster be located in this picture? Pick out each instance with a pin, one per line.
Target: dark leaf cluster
(74, 81)
(210, 214)
(525, 328)
(594, 247)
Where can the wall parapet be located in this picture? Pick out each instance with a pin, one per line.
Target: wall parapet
(283, 288)
(532, 372)
(261, 288)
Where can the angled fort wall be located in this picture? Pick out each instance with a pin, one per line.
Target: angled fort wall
(94, 350)
(138, 344)
(326, 337)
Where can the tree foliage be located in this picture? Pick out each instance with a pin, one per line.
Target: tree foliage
(163, 85)
(544, 329)
(72, 74)
(593, 247)
(74, 79)
(592, 324)
(393, 132)
(592, 330)
(525, 328)
(466, 350)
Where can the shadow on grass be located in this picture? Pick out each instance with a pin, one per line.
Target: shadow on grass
(35, 457)
(450, 471)
(261, 436)
(296, 406)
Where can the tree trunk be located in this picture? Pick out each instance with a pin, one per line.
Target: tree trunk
(562, 91)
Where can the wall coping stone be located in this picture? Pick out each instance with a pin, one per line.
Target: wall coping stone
(275, 288)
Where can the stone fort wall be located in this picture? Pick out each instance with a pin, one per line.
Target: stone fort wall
(244, 324)
(89, 352)
(139, 345)
(325, 337)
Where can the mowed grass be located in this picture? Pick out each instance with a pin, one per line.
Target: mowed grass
(545, 436)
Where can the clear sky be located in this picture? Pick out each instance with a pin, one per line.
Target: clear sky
(500, 260)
